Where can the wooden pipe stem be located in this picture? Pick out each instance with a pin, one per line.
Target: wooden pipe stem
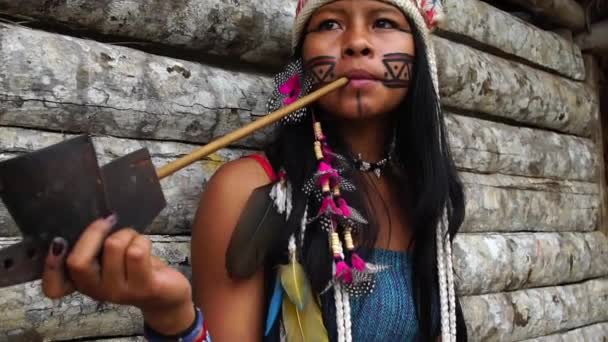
(242, 132)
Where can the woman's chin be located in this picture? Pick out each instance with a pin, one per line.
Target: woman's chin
(354, 113)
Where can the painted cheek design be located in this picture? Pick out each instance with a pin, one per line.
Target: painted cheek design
(322, 69)
(398, 70)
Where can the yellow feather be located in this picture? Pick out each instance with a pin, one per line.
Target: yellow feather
(292, 322)
(295, 283)
(302, 323)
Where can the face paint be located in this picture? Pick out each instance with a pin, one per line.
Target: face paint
(322, 69)
(359, 107)
(398, 70)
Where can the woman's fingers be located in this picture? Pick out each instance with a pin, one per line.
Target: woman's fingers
(55, 283)
(82, 261)
(139, 264)
(113, 268)
(127, 272)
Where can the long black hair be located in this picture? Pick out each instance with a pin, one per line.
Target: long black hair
(425, 172)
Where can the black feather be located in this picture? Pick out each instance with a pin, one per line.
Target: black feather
(256, 232)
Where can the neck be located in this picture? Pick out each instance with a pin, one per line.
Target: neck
(368, 137)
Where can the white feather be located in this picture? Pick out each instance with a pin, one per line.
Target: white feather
(281, 195)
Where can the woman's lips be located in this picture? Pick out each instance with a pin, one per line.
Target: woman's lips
(360, 79)
(359, 83)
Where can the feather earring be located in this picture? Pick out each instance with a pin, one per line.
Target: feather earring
(338, 219)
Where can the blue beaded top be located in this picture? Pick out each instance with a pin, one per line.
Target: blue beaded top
(388, 313)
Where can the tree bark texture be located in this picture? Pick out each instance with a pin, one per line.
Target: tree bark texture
(594, 332)
(490, 147)
(255, 31)
(55, 82)
(498, 203)
(490, 263)
(525, 314)
(492, 28)
(483, 83)
(566, 13)
(494, 202)
(60, 83)
(258, 31)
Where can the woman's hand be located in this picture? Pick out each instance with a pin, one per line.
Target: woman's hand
(126, 273)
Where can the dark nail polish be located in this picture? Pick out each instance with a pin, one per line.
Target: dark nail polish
(57, 247)
(112, 219)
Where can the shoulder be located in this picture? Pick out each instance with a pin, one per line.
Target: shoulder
(239, 176)
(228, 190)
(223, 200)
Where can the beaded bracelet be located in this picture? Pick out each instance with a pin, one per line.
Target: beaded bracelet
(197, 332)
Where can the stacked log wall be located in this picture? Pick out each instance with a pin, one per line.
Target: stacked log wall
(530, 263)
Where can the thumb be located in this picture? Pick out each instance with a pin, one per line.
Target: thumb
(55, 282)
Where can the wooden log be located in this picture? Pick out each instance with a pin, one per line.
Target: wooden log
(495, 202)
(67, 84)
(594, 332)
(565, 13)
(25, 314)
(254, 31)
(490, 263)
(72, 85)
(525, 314)
(490, 147)
(479, 23)
(480, 82)
(257, 31)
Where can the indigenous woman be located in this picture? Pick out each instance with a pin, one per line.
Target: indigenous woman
(339, 231)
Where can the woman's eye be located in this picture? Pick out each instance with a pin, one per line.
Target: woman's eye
(328, 25)
(385, 24)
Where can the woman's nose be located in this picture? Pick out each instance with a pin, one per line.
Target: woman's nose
(353, 51)
(357, 44)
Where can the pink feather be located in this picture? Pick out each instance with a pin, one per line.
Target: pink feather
(329, 204)
(358, 263)
(344, 272)
(327, 173)
(344, 207)
(325, 168)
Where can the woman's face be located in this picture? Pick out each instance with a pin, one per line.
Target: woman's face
(368, 41)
